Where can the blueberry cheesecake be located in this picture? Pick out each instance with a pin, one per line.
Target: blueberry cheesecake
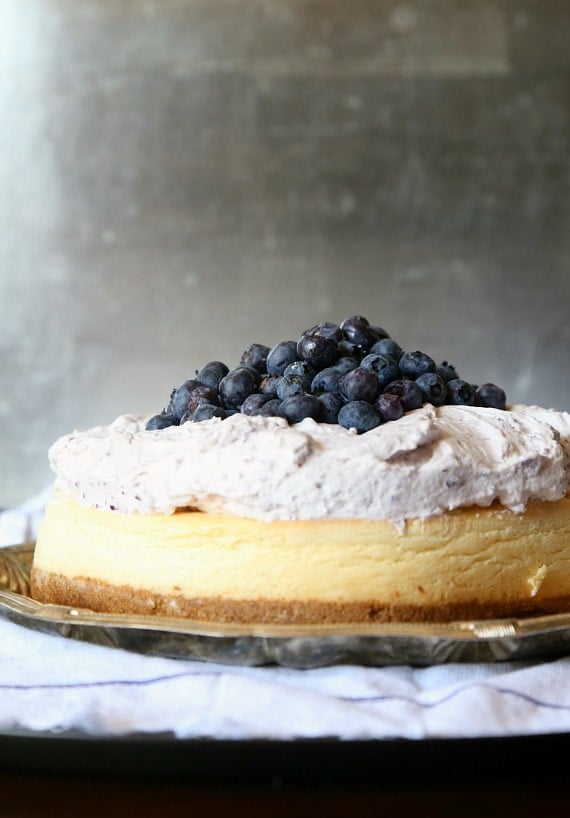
(334, 479)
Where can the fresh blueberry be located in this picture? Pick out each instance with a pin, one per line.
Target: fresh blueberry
(212, 373)
(326, 380)
(389, 406)
(446, 371)
(332, 404)
(346, 363)
(282, 354)
(268, 386)
(349, 350)
(256, 375)
(491, 395)
(162, 421)
(206, 411)
(317, 350)
(460, 393)
(290, 385)
(379, 332)
(255, 356)
(433, 388)
(357, 330)
(326, 330)
(299, 407)
(180, 397)
(414, 364)
(269, 409)
(253, 402)
(408, 391)
(354, 319)
(202, 394)
(385, 369)
(388, 348)
(359, 385)
(359, 415)
(303, 369)
(236, 386)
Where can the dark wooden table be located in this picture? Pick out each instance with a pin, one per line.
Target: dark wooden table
(35, 796)
(81, 777)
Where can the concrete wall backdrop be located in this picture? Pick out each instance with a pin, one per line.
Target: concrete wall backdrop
(179, 178)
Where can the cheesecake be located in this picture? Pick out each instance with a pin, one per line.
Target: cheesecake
(446, 512)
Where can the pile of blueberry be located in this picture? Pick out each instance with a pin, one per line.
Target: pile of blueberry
(351, 373)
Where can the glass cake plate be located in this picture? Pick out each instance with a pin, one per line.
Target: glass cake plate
(287, 645)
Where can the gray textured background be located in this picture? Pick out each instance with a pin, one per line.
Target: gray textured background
(178, 179)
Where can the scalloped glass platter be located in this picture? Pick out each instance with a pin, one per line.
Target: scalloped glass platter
(289, 646)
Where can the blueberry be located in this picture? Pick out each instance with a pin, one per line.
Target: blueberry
(388, 348)
(349, 350)
(255, 374)
(346, 363)
(236, 386)
(269, 409)
(492, 396)
(162, 421)
(202, 394)
(317, 350)
(460, 393)
(446, 371)
(206, 411)
(408, 391)
(290, 385)
(180, 397)
(268, 386)
(299, 407)
(255, 356)
(282, 354)
(354, 319)
(433, 388)
(358, 331)
(303, 369)
(385, 369)
(332, 404)
(359, 415)
(212, 373)
(326, 380)
(359, 384)
(389, 406)
(414, 364)
(379, 332)
(253, 402)
(326, 330)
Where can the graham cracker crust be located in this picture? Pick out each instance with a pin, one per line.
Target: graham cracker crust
(102, 597)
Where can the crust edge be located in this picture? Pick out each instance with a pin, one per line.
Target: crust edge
(103, 597)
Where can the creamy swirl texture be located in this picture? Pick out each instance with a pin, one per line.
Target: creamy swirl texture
(430, 461)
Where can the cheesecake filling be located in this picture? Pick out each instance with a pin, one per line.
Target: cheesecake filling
(431, 461)
(475, 562)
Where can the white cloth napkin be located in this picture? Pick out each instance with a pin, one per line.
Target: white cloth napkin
(49, 683)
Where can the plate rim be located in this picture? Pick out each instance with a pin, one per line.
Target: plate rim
(298, 646)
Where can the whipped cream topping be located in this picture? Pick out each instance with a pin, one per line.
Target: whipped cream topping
(430, 461)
